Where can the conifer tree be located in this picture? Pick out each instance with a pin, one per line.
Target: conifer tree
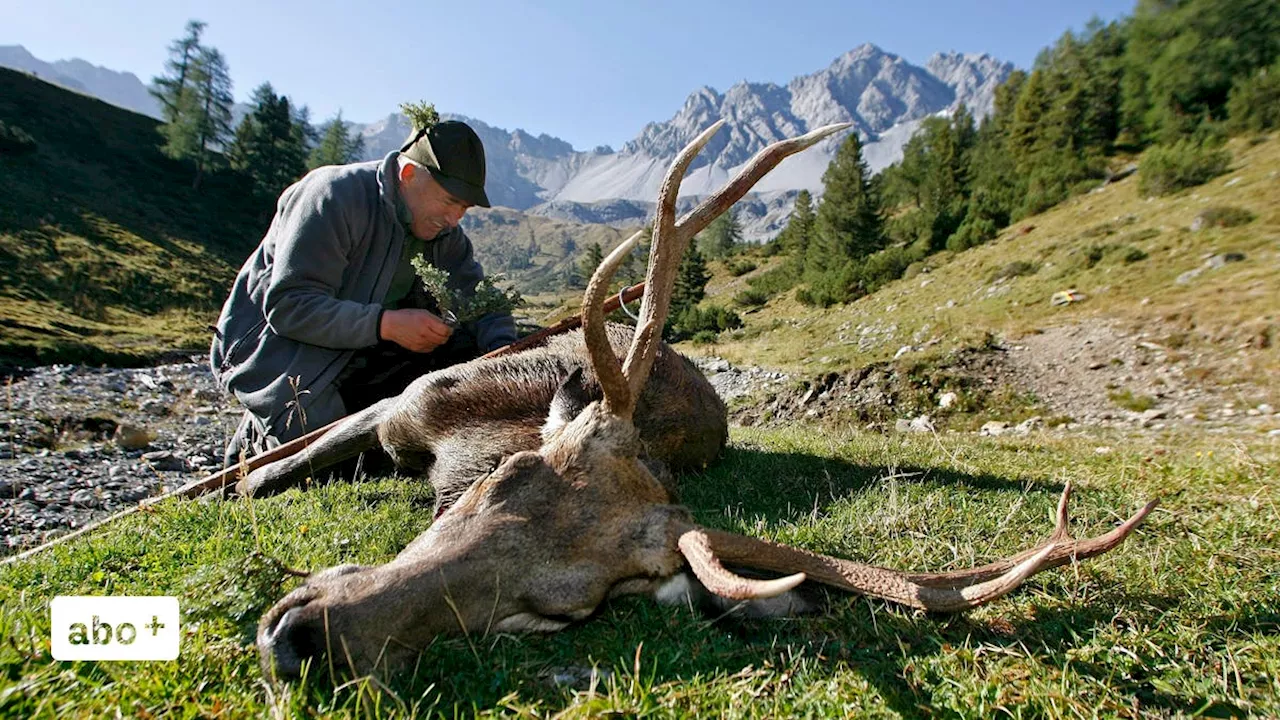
(588, 264)
(848, 224)
(723, 234)
(691, 281)
(794, 238)
(269, 143)
(183, 54)
(337, 145)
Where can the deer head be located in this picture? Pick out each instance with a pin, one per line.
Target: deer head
(543, 539)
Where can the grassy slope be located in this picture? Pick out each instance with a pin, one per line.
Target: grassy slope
(1185, 617)
(106, 252)
(501, 233)
(957, 303)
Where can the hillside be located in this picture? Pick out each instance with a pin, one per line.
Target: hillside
(106, 252)
(1178, 316)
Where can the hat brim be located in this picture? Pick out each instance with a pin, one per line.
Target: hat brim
(465, 191)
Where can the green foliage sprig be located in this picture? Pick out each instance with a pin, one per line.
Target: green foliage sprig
(421, 114)
(487, 299)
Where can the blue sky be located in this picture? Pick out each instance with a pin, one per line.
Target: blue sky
(588, 71)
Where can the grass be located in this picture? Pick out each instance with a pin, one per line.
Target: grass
(1127, 400)
(1184, 619)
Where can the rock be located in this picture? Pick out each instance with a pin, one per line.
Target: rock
(1266, 409)
(164, 460)
(923, 423)
(902, 351)
(903, 425)
(155, 406)
(1218, 261)
(1232, 182)
(85, 498)
(1186, 277)
(134, 494)
(995, 428)
(1103, 450)
(1148, 417)
(947, 400)
(1274, 433)
(131, 437)
(1026, 426)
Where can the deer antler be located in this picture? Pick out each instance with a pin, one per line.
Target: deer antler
(668, 245)
(939, 592)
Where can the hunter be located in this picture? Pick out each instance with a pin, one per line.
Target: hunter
(328, 316)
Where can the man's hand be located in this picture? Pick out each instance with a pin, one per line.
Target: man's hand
(413, 329)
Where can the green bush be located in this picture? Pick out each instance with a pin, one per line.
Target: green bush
(1166, 169)
(881, 268)
(15, 141)
(751, 297)
(1130, 254)
(1254, 102)
(692, 321)
(738, 268)
(1225, 216)
(1017, 268)
(777, 280)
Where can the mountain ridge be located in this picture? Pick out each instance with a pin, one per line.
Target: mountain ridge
(882, 94)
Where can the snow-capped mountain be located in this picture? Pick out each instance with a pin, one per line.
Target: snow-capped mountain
(883, 95)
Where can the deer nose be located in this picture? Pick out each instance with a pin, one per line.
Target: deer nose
(294, 640)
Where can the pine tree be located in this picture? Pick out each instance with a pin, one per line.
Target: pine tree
(337, 145)
(183, 54)
(195, 101)
(269, 144)
(794, 238)
(588, 263)
(723, 234)
(691, 281)
(848, 222)
(213, 86)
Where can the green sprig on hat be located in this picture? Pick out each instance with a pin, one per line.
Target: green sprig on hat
(422, 115)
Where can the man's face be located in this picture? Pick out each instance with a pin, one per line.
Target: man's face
(434, 209)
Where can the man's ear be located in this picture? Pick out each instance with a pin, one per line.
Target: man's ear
(407, 172)
(570, 400)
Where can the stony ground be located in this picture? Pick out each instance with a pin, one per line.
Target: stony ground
(78, 443)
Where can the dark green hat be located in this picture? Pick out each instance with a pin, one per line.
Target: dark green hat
(453, 153)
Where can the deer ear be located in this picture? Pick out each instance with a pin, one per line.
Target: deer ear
(570, 399)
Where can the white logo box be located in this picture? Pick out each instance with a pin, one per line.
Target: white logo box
(114, 627)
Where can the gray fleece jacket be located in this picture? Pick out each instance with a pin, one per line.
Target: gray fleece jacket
(312, 292)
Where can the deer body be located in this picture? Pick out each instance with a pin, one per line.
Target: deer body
(455, 424)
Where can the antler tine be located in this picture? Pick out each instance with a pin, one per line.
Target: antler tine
(675, 237)
(664, 260)
(941, 592)
(617, 394)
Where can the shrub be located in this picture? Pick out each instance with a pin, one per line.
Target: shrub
(777, 280)
(692, 321)
(1017, 268)
(738, 268)
(1130, 254)
(1166, 169)
(751, 297)
(15, 141)
(1127, 400)
(1254, 102)
(883, 267)
(1224, 216)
